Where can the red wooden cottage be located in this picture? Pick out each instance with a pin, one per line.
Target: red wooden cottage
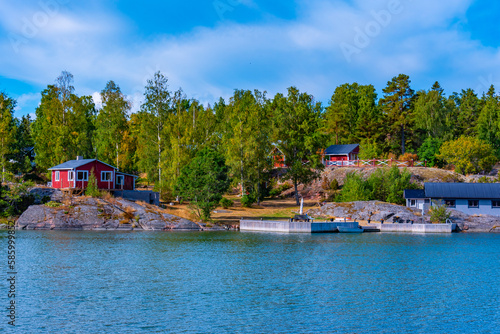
(341, 155)
(75, 174)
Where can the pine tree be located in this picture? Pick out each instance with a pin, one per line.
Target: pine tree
(397, 106)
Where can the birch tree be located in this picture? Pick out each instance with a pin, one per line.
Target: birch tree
(156, 106)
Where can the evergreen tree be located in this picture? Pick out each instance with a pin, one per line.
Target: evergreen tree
(7, 130)
(488, 122)
(296, 120)
(469, 107)
(397, 106)
(111, 125)
(430, 112)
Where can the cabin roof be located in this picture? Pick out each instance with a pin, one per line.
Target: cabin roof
(414, 193)
(72, 164)
(340, 149)
(462, 190)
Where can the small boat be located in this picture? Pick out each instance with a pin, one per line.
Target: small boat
(343, 229)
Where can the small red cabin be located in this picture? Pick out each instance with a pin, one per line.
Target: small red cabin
(335, 153)
(75, 174)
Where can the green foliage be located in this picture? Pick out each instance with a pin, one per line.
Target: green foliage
(369, 149)
(63, 127)
(385, 184)
(439, 213)
(468, 155)
(275, 192)
(226, 203)
(111, 125)
(397, 106)
(203, 181)
(15, 199)
(7, 130)
(92, 189)
(248, 200)
(296, 120)
(429, 152)
(354, 189)
(53, 204)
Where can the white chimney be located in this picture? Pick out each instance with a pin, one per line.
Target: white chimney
(79, 157)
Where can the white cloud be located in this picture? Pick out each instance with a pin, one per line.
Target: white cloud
(419, 39)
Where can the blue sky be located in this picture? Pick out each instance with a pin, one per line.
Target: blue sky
(211, 47)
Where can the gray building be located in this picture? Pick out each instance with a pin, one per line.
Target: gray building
(470, 198)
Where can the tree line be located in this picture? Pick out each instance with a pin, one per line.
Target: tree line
(246, 130)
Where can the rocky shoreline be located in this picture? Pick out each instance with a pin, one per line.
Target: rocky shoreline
(375, 211)
(85, 213)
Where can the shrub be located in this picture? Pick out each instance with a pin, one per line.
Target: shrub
(429, 152)
(439, 213)
(334, 185)
(248, 200)
(92, 189)
(408, 157)
(279, 189)
(53, 204)
(226, 203)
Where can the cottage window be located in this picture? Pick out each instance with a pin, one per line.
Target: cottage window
(451, 203)
(495, 203)
(413, 202)
(427, 201)
(473, 203)
(106, 176)
(56, 176)
(119, 180)
(71, 176)
(82, 175)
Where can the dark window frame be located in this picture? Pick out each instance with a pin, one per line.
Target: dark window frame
(85, 172)
(448, 203)
(497, 206)
(473, 206)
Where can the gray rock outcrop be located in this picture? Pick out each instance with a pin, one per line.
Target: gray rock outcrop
(96, 214)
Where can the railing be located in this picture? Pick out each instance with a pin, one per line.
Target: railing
(376, 163)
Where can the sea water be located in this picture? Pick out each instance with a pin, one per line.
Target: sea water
(232, 282)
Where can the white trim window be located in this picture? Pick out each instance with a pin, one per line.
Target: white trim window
(57, 176)
(120, 180)
(82, 175)
(106, 176)
(71, 176)
(413, 202)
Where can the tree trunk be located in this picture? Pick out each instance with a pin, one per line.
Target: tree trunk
(403, 140)
(117, 161)
(296, 185)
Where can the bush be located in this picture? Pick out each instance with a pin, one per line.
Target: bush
(92, 189)
(408, 157)
(53, 204)
(279, 189)
(439, 213)
(334, 185)
(429, 152)
(226, 203)
(469, 155)
(248, 200)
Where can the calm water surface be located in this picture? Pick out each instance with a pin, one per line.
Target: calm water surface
(230, 282)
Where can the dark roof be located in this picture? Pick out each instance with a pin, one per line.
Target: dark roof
(414, 193)
(340, 149)
(76, 163)
(121, 173)
(462, 190)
